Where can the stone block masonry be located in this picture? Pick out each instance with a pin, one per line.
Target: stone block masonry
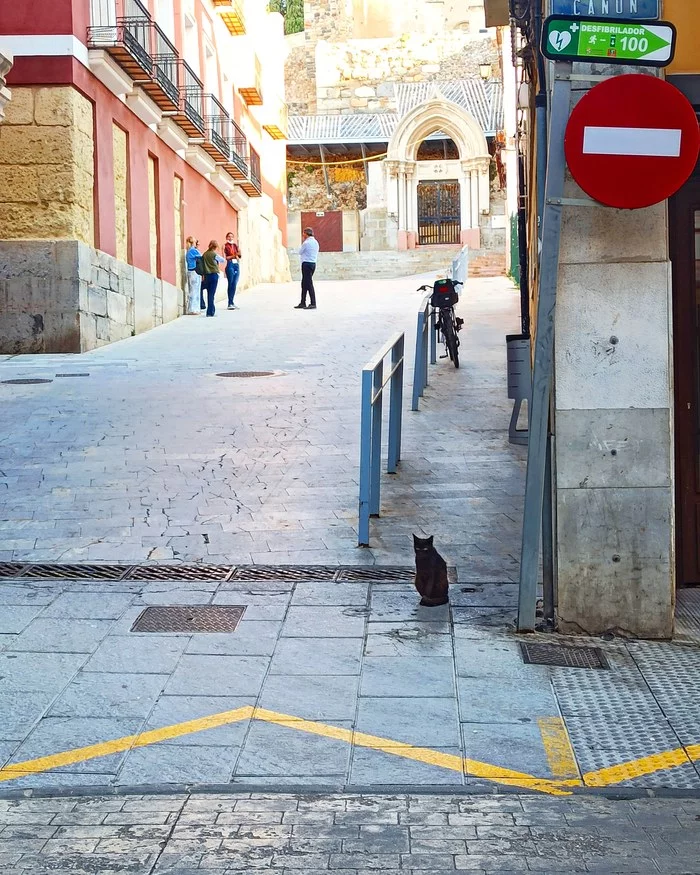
(65, 296)
(47, 165)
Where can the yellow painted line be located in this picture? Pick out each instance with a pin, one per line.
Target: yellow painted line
(105, 748)
(648, 765)
(419, 754)
(557, 747)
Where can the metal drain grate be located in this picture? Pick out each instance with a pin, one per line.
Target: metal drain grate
(29, 381)
(567, 657)
(75, 572)
(72, 375)
(248, 374)
(180, 572)
(189, 618)
(11, 569)
(285, 572)
(377, 572)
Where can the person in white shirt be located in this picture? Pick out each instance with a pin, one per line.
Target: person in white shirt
(308, 256)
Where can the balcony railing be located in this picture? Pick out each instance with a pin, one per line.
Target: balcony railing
(162, 86)
(237, 164)
(252, 186)
(190, 114)
(275, 119)
(128, 38)
(252, 93)
(217, 129)
(231, 15)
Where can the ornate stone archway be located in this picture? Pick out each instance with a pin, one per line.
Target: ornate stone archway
(404, 171)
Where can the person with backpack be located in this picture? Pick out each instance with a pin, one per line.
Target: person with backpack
(210, 265)
(195, 299)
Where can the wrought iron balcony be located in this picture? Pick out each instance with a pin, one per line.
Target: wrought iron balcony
(237, 165)
(217, 124)
(127, 38)
(231, 15)
(252, 93)
(190, 112)
(162, 86)
(252, 186)
(275, 119)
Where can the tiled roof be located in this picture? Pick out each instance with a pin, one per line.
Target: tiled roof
(484, 100)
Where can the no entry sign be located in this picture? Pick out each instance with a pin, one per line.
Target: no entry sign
(632, 141)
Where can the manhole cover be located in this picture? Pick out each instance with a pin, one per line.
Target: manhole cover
(568, 657)
(249, 374)
(29, 381)
(189, 618)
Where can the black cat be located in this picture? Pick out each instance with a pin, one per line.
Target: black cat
(431, 573)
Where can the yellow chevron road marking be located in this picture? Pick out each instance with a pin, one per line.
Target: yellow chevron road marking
(557, 747)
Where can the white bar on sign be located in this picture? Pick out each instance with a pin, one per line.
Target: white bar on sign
(646, 142)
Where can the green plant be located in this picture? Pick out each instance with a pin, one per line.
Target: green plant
(293, 11)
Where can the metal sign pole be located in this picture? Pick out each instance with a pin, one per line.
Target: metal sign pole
(544, 349)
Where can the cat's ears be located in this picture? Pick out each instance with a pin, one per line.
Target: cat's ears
(427, 542)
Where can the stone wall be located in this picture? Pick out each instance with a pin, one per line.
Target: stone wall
(47, 166)
(75, 298)
(307, 187)
(120, 151)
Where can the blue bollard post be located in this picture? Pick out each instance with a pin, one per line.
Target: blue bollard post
(376, 440)
(365, 459)
(395, 406)
(418, 369)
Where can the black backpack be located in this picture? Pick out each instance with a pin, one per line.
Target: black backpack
(199, 266)
(444, 294)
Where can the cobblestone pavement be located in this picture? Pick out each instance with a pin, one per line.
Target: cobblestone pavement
(356, 835)
(152, 456)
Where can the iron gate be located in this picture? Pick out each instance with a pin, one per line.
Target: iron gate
(438, 212)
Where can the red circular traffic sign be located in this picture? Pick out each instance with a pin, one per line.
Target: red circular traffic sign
(632, 141)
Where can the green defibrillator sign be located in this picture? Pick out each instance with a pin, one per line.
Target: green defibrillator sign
(570, 38)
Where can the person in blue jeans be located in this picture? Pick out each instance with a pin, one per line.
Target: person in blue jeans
(194, 280)
(232, 254)
(212, 265)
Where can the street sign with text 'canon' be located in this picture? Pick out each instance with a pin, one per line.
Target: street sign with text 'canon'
(632, 141)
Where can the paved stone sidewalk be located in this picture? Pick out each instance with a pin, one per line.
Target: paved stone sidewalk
(354, 835)
(152, 456)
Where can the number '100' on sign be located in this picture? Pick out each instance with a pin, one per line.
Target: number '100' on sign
(569, 38)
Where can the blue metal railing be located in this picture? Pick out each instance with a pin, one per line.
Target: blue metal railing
(373, 384)
(426, 337)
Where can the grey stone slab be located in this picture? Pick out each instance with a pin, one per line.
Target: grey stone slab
(170, 710)
(325, 594)
(45, 672)
(93, 694)
(178, 764)
(407, 676)
(511, 746)
(215, 675)
(324, 622)
(416, 642)
(149, 654)
(62, 635)
(317, 656)
(425, 723)
(16, 618)
(404, 605)
(252, 637)
(272, 750)
(483, 701)
(21, 710)
(56, 734)
(494, 656)
(89, 605)
(485, 595)
(27, 594)
(328, 697)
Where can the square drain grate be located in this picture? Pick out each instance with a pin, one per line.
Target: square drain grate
(189, 618)
(567, 657)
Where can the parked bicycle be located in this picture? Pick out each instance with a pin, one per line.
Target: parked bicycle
(447, 323)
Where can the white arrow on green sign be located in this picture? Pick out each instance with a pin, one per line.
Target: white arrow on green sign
(566, 38)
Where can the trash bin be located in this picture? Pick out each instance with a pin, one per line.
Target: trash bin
(519, 383)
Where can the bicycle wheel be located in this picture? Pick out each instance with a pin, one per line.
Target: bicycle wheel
(451, 341)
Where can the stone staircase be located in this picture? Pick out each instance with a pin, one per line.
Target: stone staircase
(486, 262)
(385, 264)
